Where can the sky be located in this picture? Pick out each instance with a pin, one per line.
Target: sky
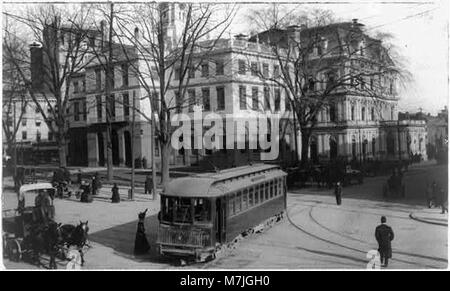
(421, 35)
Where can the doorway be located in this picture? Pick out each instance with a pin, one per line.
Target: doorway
(101, 150)
(128, 151)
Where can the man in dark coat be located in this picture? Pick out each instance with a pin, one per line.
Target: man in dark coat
(141, 245)
(384, 235)
(338, 193)
(148, 185)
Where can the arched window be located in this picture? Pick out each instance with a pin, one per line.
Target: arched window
(353, 147)
(333, 113)
(353, 112)
(363, 113)
(372, 113)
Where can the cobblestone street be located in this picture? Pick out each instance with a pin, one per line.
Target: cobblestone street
(316, 234)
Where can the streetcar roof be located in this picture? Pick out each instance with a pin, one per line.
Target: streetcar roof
(35, 186)
(218, 184)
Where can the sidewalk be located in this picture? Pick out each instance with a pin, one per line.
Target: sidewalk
(431, 216)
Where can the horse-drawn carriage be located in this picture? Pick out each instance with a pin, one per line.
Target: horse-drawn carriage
(30, 231)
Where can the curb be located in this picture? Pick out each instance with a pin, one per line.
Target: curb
(411, 215)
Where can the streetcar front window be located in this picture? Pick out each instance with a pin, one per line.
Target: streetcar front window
(202, 210)
(185, 210)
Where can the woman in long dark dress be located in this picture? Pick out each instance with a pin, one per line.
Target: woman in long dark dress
(115, 198)
(141, 245)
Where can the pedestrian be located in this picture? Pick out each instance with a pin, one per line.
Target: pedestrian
(443, 201)
(429, 194)
(338, 192)
(141, 245)
(148, 185)
(86, 195)
(384, 235)
(79, 177)
(115, 198)
(94, 185)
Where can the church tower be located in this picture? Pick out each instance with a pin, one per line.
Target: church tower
(173, 21)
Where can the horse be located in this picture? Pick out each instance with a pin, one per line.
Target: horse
(44, 238)
(75, 236)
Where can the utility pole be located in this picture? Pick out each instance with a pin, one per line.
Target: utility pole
(153, 150)
(15, 141)
(133, 120)
(108, 88)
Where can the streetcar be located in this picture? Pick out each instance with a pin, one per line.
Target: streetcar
(200, 213)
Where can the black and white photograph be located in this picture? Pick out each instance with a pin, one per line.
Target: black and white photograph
(225, 135)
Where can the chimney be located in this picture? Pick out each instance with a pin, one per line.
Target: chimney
(137, 36)
(37, 73)
(102, 33)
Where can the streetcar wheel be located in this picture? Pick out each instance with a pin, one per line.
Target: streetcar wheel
(14, 250)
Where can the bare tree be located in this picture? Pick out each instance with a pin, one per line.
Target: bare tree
(59, 52)
(164, 59)
(14, 97)
(317, 65)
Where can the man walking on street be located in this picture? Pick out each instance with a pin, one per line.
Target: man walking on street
(338, 193)
(384, 235)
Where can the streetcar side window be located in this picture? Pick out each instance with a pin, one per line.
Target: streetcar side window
(231, 204)
(244, 199)
(261, 193)
(250, 197)
(182, 210)
(272, 193)
(266, 191)
(238, 202)
(256, 194)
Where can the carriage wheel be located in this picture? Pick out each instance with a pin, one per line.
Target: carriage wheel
(14, 250)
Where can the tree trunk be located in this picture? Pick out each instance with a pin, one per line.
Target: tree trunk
(305, 147)
(165, 156)
(62, 152)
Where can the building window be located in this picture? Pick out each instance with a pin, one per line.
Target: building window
(75, 87)
(242, 98)
(372, 113)
(177, 74)
(241, 67)
(391, 87)
(38, 136)
(266, 98)
(98, 79)
(178, 101)
(192, 100)
(276, 71)
(205, 70)
(36, 109)
(287, 101)
(124, 68)
(24, 122)
(50, 135)
(333, 113)
(112, 106)
(220, 98)
(126, 104)
(277, 94)
(76, 111)
(84, 110)
(99, 107)
(255, 98)
(352, 113)
(254, 69)
(219, 68)
(206, 100)
(191, 73)
(363, 113)
(24, 135)
(266, 70)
